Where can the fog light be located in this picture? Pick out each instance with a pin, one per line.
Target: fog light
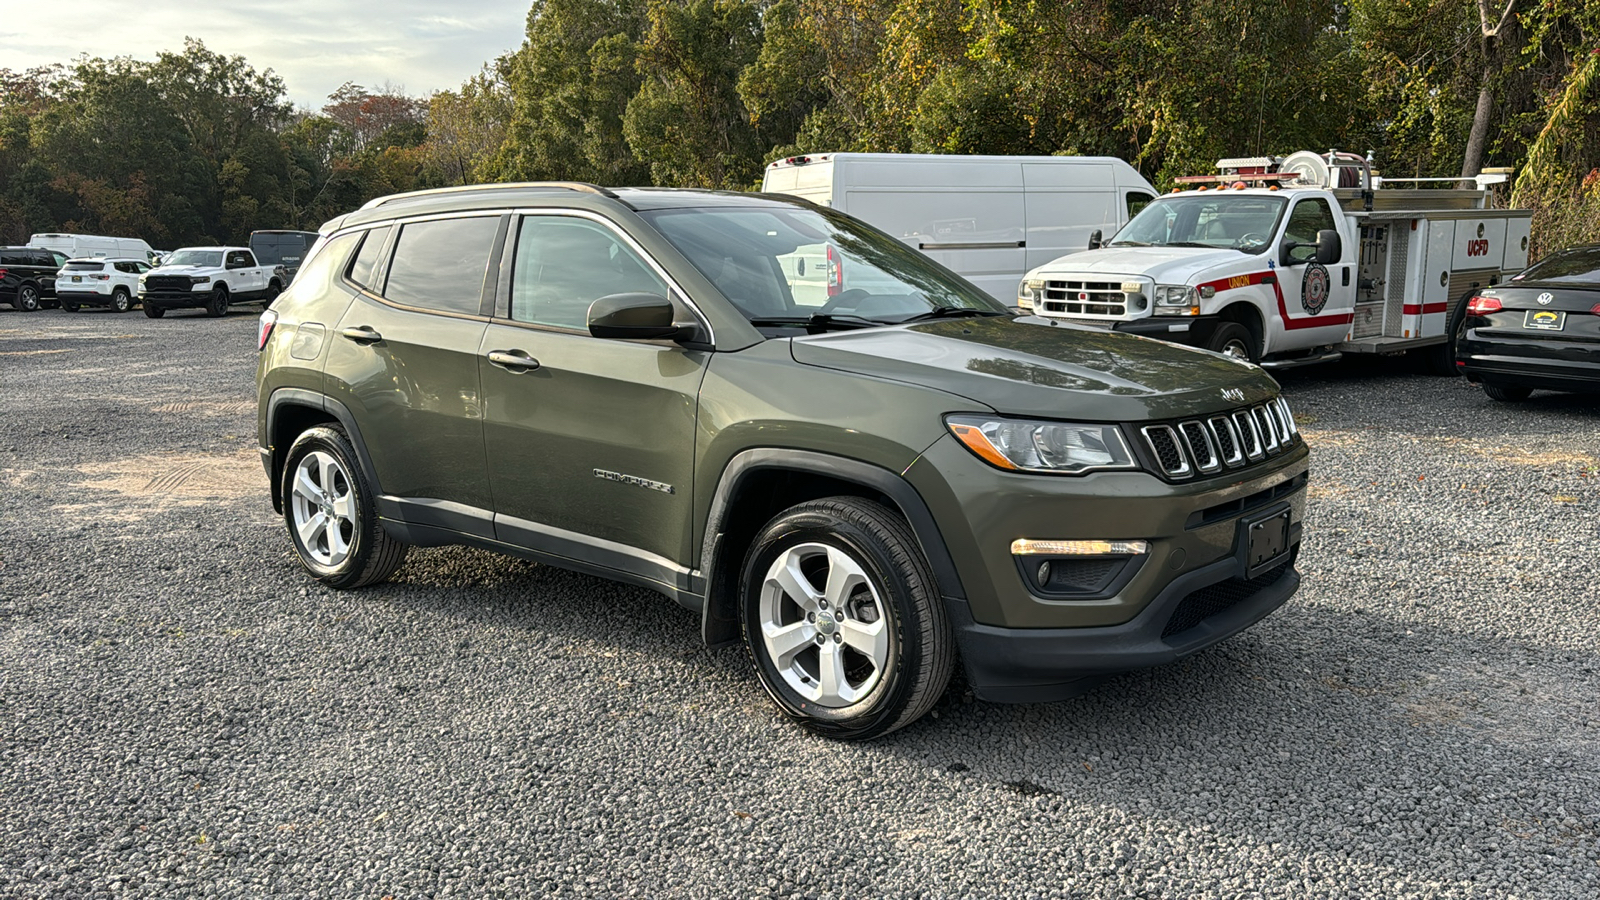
(1026, 547)
(1044, 572)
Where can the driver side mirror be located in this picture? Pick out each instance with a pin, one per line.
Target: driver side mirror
(1096, 241)
(636, 316)
(1329, 247)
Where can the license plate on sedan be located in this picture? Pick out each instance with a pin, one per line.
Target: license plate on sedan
(1545, 319)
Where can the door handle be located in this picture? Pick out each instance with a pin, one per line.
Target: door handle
(362, 334)
(514, 361)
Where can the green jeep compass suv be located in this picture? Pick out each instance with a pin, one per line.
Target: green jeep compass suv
(793, 424)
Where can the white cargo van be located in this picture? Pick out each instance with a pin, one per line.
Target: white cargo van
(90, 246)
(988, 218)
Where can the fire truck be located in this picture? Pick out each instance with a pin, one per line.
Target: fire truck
(1294, 260)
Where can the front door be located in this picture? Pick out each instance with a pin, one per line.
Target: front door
(1315, 302)
(590, 444)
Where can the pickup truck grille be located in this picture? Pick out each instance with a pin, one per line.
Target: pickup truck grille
(166, 283)
(1198, 447)
(1085, 298)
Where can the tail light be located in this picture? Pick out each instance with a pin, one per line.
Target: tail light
(3, 273)
(835, 273)
(1482, 306)
(264, 329)
(1595, 309)
(101, 277)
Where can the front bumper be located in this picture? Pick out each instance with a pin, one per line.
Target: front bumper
(174, 298)
(1554, 365)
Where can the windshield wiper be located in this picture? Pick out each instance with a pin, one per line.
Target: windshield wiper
(1127, 244)
(952, 312)
(815, 321)
(1190, 244)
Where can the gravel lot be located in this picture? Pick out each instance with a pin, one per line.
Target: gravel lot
(182, 712)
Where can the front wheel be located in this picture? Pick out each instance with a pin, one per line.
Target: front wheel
(1507, 393)
(69, 306)
(120, 301)
(1235, 340)
(332, 514)
(217, 303)
(843, 620)
(153, 311)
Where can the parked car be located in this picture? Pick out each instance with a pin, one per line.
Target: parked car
(620, 382)
(82, 246)
(28, 277)
(282, 248)
(209, 278)
(100, 282)
(988, 218)
(1539, 330)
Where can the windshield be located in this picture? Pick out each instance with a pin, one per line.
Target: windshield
(1243, 222)
(1572, 265)
(794, 263)
(195, 258)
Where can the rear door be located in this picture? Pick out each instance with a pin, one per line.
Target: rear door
(404, 361)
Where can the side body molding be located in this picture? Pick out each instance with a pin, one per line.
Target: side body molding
(720, 621)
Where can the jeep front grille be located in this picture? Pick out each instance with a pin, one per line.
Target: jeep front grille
(1194, 447)
(1085, 298)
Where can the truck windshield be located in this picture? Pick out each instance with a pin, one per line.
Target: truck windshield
(211, 258)
(783, 266)
(1244, 222)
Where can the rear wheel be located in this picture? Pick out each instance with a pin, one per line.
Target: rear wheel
(217, 303)
(1507, 393)
(332, 513)
(27, 298)
(120, 301)
(842, 619)
(1235, 340)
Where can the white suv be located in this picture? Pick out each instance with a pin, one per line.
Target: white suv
(99, 282)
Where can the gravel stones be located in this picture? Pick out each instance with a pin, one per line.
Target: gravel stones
(183, 713)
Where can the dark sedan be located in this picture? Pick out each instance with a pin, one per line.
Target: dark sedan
(1540, 330)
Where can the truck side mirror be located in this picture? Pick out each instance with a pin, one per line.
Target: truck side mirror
(1329, 247)
(1096, 241)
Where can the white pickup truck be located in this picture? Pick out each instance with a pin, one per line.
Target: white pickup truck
(209, 278)
(1291, 261)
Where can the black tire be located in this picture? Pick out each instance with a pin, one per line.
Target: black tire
(897, 592)
(153, 311)
(27, 299)
(1507, 393)
(120, 301)
(273, 290)
(1441, 359)
(1234, 340)
(372, 554)
(70, 306)
(217, 303)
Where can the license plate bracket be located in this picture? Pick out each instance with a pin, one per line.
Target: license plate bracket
(1264, 541)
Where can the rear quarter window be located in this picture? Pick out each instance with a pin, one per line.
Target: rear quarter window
(364, 270)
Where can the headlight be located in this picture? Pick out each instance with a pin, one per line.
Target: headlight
(1028, 446)
(1176, 300)
(199, 279)
(1030, 291)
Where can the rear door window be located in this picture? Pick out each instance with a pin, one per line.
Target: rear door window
(440, 264)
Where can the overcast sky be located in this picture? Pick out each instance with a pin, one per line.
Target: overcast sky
(313, 45)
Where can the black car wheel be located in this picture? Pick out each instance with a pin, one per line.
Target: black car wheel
(1235, 340)
(120, 301)
(153, 311)
(842, 619)
(217, 303)
(69, 306)
(332, 514)
(27, 298)
(1507, 393)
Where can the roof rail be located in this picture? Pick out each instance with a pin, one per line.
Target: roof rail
(582, 186)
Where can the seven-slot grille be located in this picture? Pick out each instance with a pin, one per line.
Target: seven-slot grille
(1085, 298)
(1229, 441)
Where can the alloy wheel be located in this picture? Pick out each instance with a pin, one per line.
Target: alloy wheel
(324, 508)
(823, 625)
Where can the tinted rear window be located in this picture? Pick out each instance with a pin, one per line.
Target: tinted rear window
(84, 266)
(441, 264)
(1571, 265)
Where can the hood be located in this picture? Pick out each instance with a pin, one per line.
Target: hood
(1028, 366)
(1166, 265)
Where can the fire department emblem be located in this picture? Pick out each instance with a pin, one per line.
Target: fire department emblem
(1314, 289)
